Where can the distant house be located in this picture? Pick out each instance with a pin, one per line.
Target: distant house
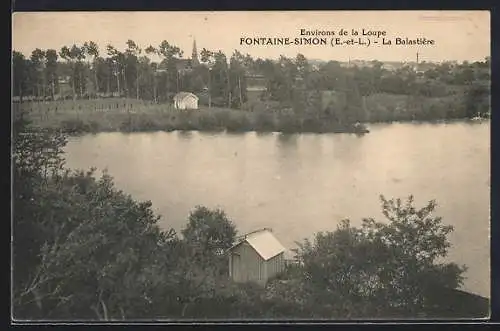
(256, 257)
(185, 100)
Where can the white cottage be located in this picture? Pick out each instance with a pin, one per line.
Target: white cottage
(256, 257)
(185, 100)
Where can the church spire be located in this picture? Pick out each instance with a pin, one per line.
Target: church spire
(194, 56)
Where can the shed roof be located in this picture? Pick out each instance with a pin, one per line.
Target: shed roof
(264, 243)
(183, 95)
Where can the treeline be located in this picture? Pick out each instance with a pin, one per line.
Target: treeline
(130, 73)
(83, 249)
(222, 81)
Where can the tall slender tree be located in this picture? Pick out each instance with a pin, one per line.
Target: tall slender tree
(239, 67)
(115, 60)
(170, 54)
(134, 51)
(51, 70)
(207, 58)
(78, 55)
(38, 61)
(67, 55)
(150, 50)
(19, 74)
(92, 49)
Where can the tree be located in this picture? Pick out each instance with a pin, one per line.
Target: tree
(91, 48)
(82, 249)
(220, 80)
(51, 70)
(209, 232)
(212, 230)
(150, 50)
(477, 100)
(207, 58)
(20, 74)
(78, 56)
(38, 63)
(146, 78)
(170, 54)
(382, 268)
(134, 52)
(239, 67)
(116, 58)
(303, 67)
(66, 54)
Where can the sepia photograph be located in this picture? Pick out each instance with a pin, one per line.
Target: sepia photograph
(227, 166)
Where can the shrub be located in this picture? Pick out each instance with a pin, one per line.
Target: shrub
(208, 121)
(238, 123)
(288, 124)
(264, 122)
(74, 126)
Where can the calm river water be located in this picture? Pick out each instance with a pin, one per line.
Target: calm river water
(304, 183)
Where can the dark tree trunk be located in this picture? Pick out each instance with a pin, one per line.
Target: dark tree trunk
(239, 88)
(137, 84)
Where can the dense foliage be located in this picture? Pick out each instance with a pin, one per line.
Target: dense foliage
(381, 268)
(83, 249)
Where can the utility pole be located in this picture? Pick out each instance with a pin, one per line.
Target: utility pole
(417, 57)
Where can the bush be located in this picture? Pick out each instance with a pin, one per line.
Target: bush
(94, 126)
(288, 124)
(74, 126)
(76, 249)
(208, 121)
(312, 125)
(238, 123)
(381, 268)
(264, 122)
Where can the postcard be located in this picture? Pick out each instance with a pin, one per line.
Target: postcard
(251, 166)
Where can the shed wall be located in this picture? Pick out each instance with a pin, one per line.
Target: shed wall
(246, 265)
(275, 265)
(189, 102)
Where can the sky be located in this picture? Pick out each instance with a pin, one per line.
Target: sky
(458, 35)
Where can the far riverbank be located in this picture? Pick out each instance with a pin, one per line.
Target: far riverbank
(93, 116)
(79, 120)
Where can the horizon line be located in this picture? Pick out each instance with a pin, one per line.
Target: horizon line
(154, 56)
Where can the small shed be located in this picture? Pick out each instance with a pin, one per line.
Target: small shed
(185, 100)
(256, 257)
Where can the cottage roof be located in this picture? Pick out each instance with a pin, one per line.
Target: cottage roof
(264, 243)
(182, 95)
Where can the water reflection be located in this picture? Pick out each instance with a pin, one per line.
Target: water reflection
(349, 148)
(264, 134)
(287, 140)
(182, 134)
